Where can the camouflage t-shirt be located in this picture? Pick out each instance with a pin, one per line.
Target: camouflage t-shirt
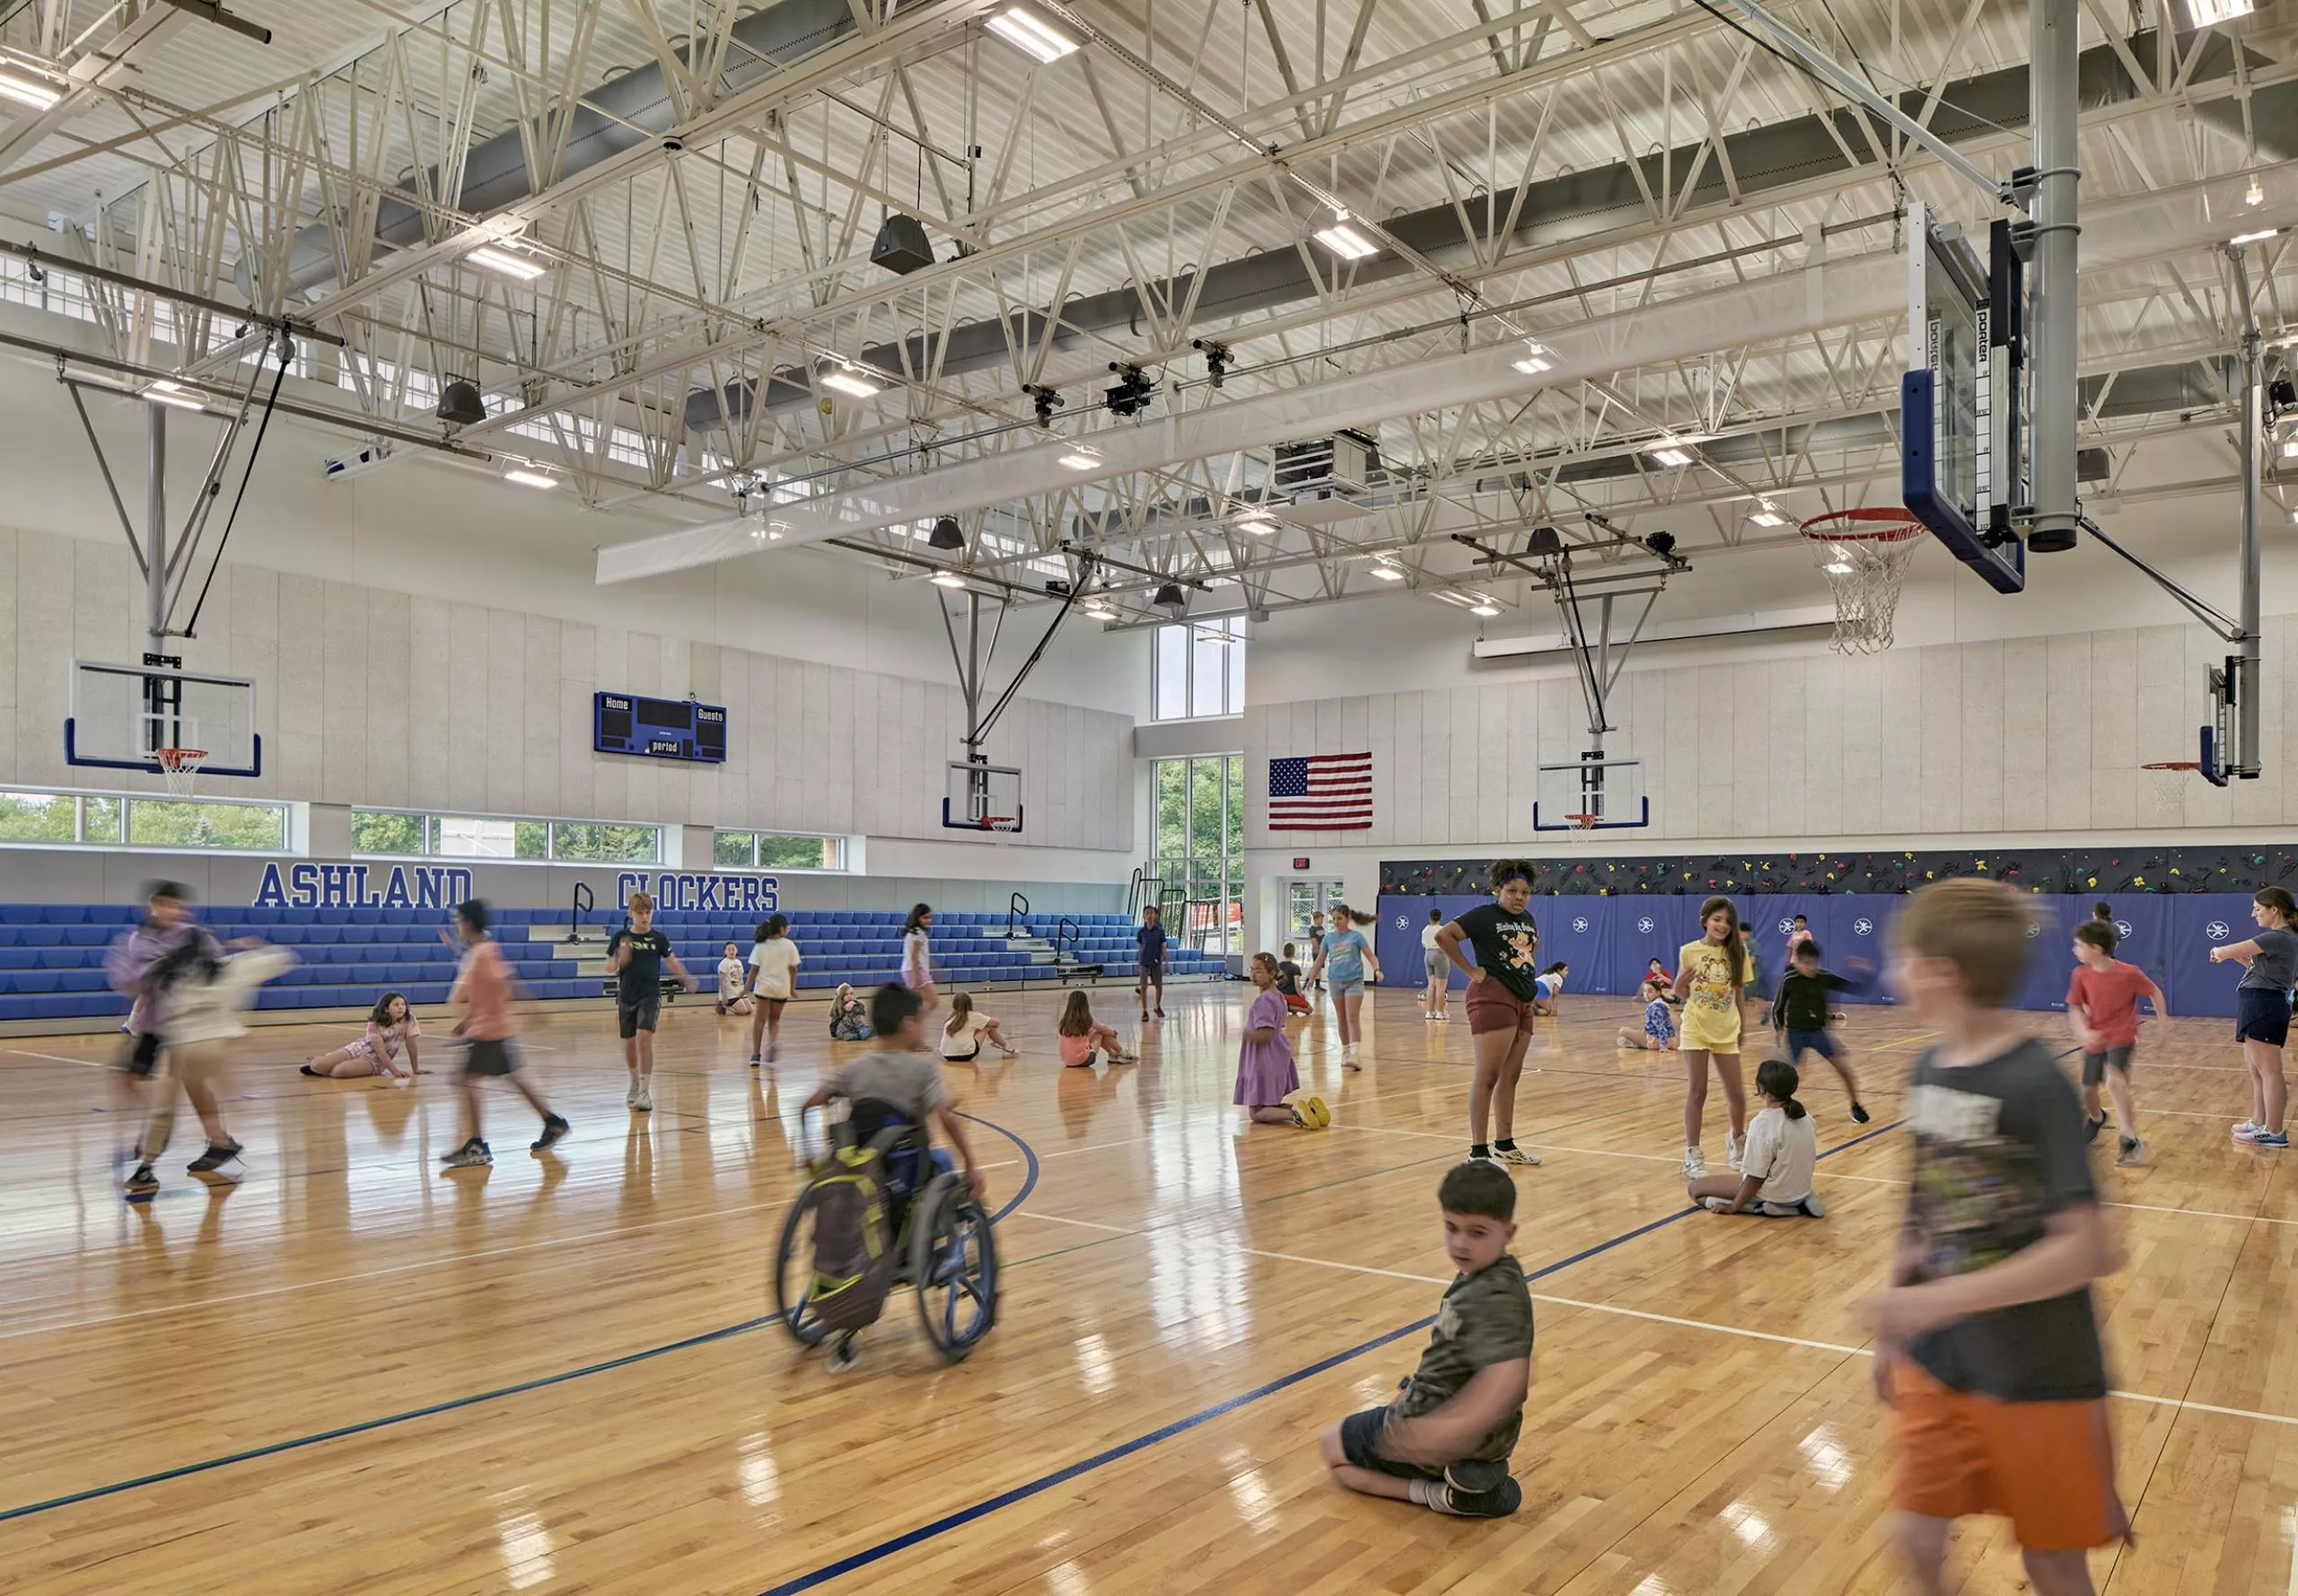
(1998, 1151)
(1486, 1319)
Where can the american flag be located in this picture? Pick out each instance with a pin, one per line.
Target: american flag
(1321, 792)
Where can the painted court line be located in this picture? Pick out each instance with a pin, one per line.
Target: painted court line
(93, 1063)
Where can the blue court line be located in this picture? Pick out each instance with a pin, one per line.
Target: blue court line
(966, 1515)
(452, 1404)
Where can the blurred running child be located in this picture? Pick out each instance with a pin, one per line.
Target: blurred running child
(1549, 985)
(1316, 941)
(1710, 976)
(1439, 970)
(1659, 1032)
(1346, 952)
(2102, 1008)
(1085, 1041)
(1502, 982)
(1266, 1075)
(1775, 1178)
(1149, 943)
(2262, 1010)
(1799, 1015)
(1288, 984)
(635, 957)
(968, 1029)
(480, 1001)
(773, 983)
(392, 1029)
(167, 925)
(1444, 1442)
(1987, 1343)
(917, 954)
(204, 995)
(850, 1016)
(732, 998)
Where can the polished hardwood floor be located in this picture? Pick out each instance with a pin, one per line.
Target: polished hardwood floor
(348, 1373)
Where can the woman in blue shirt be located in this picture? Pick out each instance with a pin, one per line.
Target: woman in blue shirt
(1343, 957)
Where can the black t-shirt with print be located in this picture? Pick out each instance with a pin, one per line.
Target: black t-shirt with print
(1998, 1151)
(643, 956)
(1507, 946)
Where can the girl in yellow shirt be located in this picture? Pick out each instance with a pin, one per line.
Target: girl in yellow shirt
(1710, 974)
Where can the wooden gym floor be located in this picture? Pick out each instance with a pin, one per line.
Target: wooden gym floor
(350, 1373)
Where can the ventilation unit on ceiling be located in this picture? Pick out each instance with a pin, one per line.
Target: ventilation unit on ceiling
(1325, 467)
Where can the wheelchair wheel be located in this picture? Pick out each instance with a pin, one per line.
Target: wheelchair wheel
(794, 1272)
(953, 1267)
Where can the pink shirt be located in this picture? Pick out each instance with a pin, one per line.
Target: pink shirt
(1076, 1049)
(483, 983)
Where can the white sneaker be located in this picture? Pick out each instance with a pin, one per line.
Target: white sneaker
(1733, 1148)
(1694, 1163)
(1515, 1155)
(641, 1099)
(630, 1093)
(1348, 1059)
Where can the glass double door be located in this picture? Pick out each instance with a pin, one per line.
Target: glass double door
(1305, 900)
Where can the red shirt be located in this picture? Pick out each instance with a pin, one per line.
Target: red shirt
(2110, 998)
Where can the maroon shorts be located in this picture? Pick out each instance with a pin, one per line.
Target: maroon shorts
(1492, 1007)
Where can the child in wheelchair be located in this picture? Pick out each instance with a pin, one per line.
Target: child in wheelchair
(895, 1088)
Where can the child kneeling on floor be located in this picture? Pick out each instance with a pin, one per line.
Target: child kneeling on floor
(1775, 1176)
(1445, 1442)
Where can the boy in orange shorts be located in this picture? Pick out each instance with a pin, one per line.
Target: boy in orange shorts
(1987, 1343)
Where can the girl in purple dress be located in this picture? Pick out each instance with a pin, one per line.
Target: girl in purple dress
(1265, 1074)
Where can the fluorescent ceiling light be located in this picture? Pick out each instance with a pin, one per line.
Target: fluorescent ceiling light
(2290, 450)
(2209, 14)
(2254, 238)
(769, 531)
(525, 268)
(1388, 572)
(1346, 241)
(1079, 457)
(28, 91)
(1220, 582)
(1259, 526)
(1101, 612)
(1485, 609)
(526, 478)
(946, 579)
(1766, 518)
(1031, 34)
(1532, 366)
(1668, 454)
(849, 382)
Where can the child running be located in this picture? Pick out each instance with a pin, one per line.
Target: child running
(1149, 943)
(773, 983)
(391, 1028)
(917, 954)
(1659, 1032)
(1288, 984)
(1799, 1017)
(732, 998)
(2262, 1012)
(1439, 967)
(1266, 1075)
(1987, 1343)
(2102, 1006)
(481, 1002)
(1502, 986)
(1549, 984)
(969, 1027)
(204, 996)
(1775, 1178)
(635, 957)
(1710, 974)
(1444, 1442)
(1084, 1041)
(1346, 953)
(167, 925)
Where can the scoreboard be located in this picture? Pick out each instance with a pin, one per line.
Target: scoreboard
(662, 728)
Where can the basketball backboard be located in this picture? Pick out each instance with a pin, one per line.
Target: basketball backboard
(1592, 795)
(1961, 419)
(123, 716)
(982, 798)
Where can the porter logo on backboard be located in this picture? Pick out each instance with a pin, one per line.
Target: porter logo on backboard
(360, 886)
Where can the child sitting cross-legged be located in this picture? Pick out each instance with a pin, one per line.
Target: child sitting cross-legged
(1775, 1175)
(1445, 1442)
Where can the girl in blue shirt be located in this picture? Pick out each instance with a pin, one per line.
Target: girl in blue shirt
(1343, 957)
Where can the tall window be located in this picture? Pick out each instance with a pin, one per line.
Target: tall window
(1201, 847)
(389, 831)
(1198, 670)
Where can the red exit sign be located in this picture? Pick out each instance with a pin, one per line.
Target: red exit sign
(1299, 864)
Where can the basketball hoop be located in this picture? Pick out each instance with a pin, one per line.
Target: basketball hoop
(1000, 822)
(179, 768)
(2165, 781)
(1864, 555)
(1581, 823)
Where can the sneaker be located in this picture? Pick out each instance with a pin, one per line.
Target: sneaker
(1813, 1208)
(754, 1060)
(2249, 1130)
(641, 1099)
(473, 1154)
(1440, 1496)
(310, 1071)
(143, 1182)
(843, 1356)
(1694, 1163)
(554, 1129)
(2091, 1127)
(1509, 1152)
(630, 1096)
(1734, 1148)
(2271, 1138)
(1160, 1013)
(217, 1155)
(773, 1053)
(1144, 1016)
(1859, 1113)
(1479, 1153)
(2132, 1150)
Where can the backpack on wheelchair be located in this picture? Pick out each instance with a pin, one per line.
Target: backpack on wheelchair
(883, 1209)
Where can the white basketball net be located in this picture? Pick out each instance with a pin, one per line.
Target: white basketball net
(2165, 792)
(1864, 569)
(179, 768)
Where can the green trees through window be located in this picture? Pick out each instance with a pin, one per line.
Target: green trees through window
(1200, 837)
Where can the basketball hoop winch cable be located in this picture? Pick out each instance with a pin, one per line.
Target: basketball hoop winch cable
(286, 348)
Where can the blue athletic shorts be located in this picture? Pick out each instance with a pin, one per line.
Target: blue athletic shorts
(1821, 1042)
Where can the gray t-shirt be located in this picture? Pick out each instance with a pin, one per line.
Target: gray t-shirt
(1998, 1151)
(910, 1081)
(1486, 1319)
(2275, 968)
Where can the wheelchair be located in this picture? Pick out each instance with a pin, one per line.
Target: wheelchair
(944, 1246)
